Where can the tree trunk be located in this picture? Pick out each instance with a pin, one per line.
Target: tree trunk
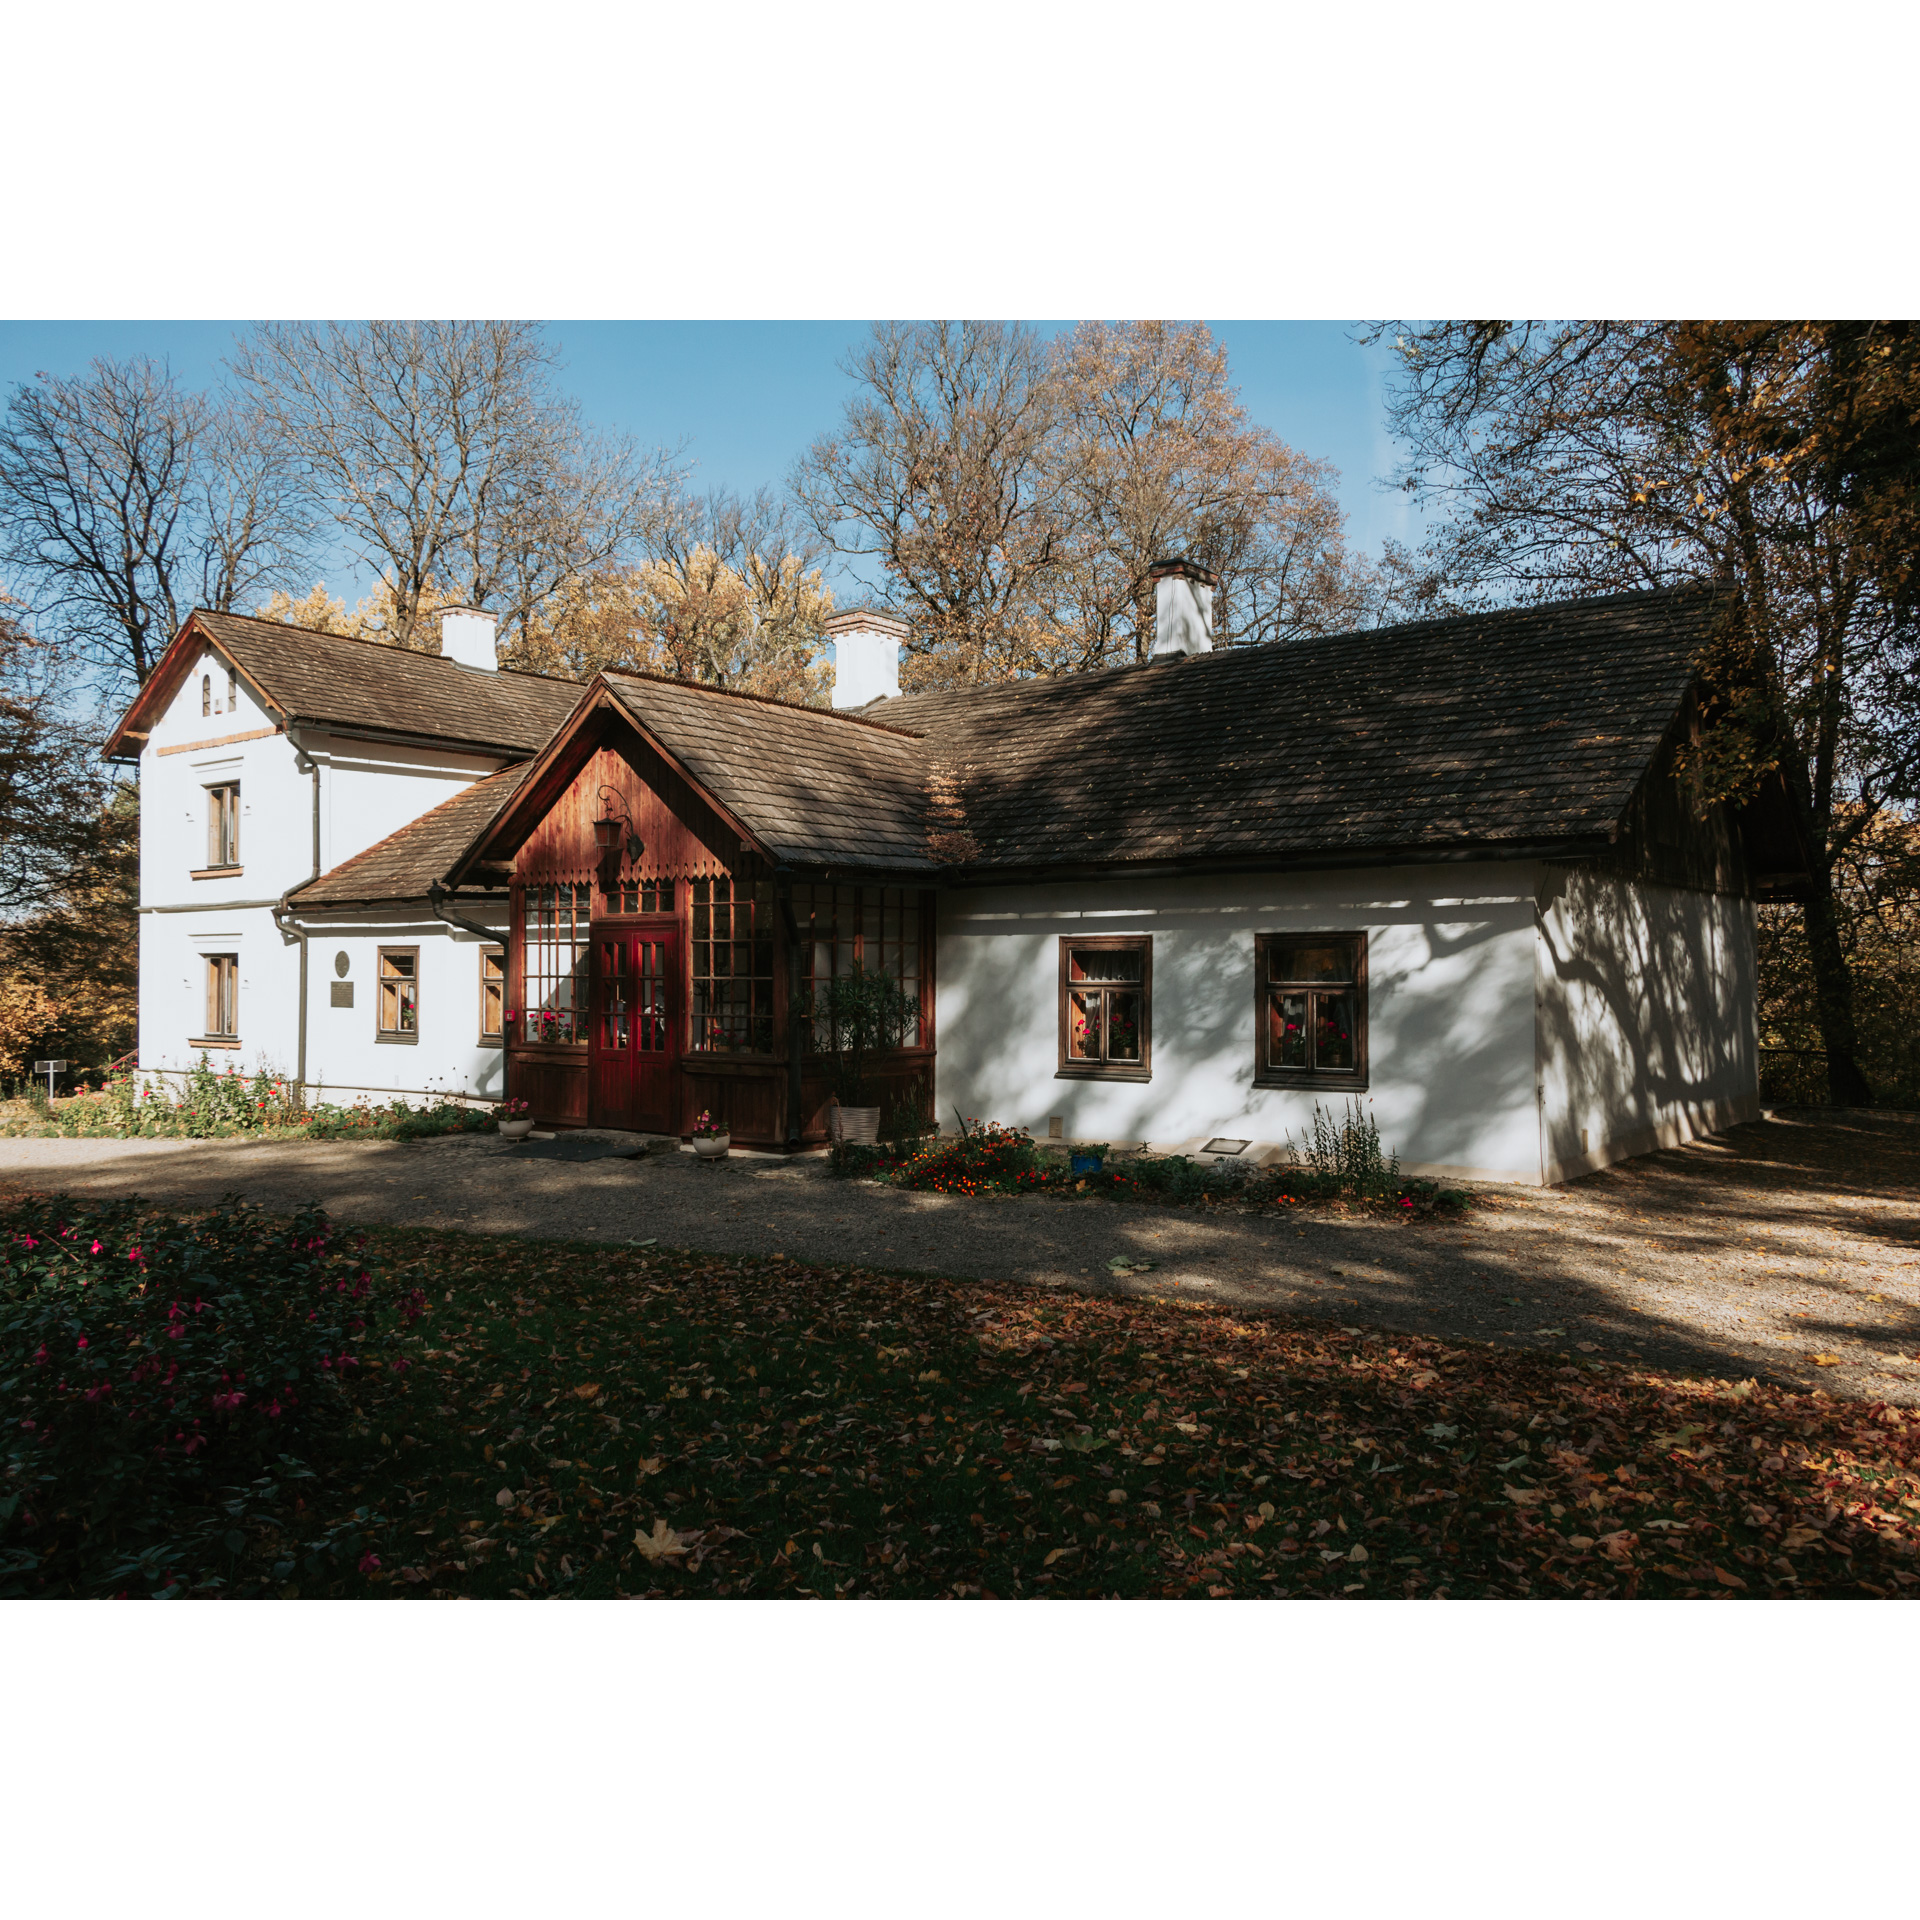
(1833, 995)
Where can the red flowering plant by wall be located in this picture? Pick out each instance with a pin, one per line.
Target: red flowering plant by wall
(156, 1373)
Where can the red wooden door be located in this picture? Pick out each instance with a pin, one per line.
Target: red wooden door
(634, 1046)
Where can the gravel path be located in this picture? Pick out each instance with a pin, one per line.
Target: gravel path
(1760, 1252)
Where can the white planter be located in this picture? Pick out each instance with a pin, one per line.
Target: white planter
(712, 1146)
(515, 1129)
(854, 1126)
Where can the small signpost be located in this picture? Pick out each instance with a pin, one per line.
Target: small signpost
(50, 1068)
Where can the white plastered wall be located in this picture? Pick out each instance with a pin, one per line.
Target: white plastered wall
(1648, 1017)
(346, 1056)
(1450, 1009)
(367, 791)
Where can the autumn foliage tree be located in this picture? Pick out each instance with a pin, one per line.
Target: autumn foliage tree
(1778, 458)
(1016, 492)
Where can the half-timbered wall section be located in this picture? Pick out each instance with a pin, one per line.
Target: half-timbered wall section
(638, 912)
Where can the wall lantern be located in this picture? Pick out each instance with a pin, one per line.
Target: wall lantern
(612, 830)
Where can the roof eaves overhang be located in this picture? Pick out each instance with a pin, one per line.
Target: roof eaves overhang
(394, 901)
(1457, 853)
(358, 730)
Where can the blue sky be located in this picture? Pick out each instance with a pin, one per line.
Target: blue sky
(748, 396)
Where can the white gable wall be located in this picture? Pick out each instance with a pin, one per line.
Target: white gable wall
(1450, 1009)
(366, 791)
(1648, 1017)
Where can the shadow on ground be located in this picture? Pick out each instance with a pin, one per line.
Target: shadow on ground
(1786, 1250)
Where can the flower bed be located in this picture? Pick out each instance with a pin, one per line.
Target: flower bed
(990, 1158)
(162, 1379)
(213, 1105)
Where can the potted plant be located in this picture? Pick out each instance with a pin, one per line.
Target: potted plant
(711, 1137)
(867, 1013)
(516, 1119)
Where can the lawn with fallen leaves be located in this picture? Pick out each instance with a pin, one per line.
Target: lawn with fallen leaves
(548, 1419)
(589, 1421)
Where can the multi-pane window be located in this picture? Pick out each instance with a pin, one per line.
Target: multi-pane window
(1312, 1008)
(233, 691)
(1106, 998)
(558, 954)
(731, 965)
(633, 895)
(223, 826)
(223, 996)
(493, 994)
(399, 993)
(206, 695)
(877, 926)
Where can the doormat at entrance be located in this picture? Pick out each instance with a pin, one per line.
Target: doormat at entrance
(590, 1143)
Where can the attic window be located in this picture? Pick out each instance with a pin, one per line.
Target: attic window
(1311, 1008)
(1106, 1008)
(206, 695)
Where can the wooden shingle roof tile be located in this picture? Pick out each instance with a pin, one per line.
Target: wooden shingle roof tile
(818, 789)
(405, 865)
(327, 678)
(1524, 726)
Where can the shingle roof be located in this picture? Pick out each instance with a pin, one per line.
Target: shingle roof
(326, 678)
(405, 864)
(816, 788)
(1530, 727)
(1525, 726)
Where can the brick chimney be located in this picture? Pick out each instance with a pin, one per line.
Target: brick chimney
(467, 636)
(1182, 608)
(866, 655)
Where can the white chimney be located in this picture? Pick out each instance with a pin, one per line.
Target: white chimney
(1182, 608)
(467, 636)
(866, 656)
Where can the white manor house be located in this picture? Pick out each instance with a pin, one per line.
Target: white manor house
(1447, 868)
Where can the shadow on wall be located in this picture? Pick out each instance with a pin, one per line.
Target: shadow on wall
(1647, 1028)
(1450, 1017)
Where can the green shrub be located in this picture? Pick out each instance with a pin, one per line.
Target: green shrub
(1346, 1154)
(161, 1378)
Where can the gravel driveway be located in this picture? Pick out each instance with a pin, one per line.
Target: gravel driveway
(1762, 1251)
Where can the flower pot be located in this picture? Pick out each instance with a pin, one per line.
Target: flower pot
(515, 1129)
(854, 1126)
(712, 1146)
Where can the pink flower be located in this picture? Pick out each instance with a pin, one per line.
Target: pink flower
(95, 1248)
(369, 1563)
(83, 1340)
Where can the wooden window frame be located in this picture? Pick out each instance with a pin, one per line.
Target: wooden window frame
(223, 831)
(383, 1034)
(218, 966)
(537, 937)
(1067, 1067)
(499, 984)
(1313, 1079)
(762, 919)
(812, 900)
